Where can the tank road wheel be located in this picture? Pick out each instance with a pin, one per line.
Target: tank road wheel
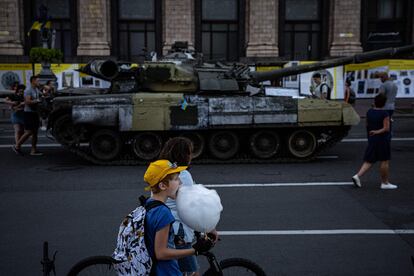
(147, 145)
(198, 142)
(223, 144)
(105, 144)
(264, 144)
(302, 143)
(64, 131)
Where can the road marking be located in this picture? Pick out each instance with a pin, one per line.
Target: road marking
(353, 140)
(327, 157)
(319, 232)
(299, 184)
(38, 145)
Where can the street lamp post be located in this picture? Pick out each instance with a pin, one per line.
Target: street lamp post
(48, 36)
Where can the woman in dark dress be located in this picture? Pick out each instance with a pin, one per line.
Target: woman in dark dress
(379, 143)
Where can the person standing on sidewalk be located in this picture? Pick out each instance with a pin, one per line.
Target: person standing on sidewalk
(31, 117)
(379, 143)
(389, 89)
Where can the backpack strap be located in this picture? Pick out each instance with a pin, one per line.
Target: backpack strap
(148, 206)
(328, 90)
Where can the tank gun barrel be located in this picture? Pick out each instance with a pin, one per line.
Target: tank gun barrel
(358, 58)
(103, 69)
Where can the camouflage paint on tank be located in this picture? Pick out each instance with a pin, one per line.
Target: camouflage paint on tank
(316, 112)
(349, 116)
(102, 110)
(251, 110)
(167, 111)
(151, 111)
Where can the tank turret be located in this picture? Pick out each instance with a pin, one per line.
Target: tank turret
(211, 104)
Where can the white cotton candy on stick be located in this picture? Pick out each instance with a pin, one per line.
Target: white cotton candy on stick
(199, 207)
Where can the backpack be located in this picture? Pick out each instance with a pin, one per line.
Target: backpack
(328, 94)
(352, 96)
(131, 253)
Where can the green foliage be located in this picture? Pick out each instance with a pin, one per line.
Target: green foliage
(39, 54)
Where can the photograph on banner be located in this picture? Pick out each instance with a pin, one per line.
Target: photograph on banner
(11, 73)
(366, 82)
(66, 74)
(333, 77)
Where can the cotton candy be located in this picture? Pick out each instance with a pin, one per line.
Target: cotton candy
(199, 207)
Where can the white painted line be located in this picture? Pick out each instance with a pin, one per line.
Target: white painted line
(353, 140)
(327, 157)
(38, 145)
(319, 232)
(299, 184)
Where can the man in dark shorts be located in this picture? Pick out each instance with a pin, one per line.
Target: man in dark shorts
(31, 117)
(379, 143)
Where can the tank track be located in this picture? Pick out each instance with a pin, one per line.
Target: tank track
(126, 158)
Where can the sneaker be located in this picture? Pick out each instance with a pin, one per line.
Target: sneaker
(36, 153)
(388, 186)
(357, 181)
(17, 151)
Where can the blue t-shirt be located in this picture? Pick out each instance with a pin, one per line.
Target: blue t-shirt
(375, 121)
(156, 219)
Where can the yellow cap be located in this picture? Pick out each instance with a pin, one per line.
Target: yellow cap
(158, 170)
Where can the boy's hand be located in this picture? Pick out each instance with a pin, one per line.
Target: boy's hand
(213, 235)
(202, 245)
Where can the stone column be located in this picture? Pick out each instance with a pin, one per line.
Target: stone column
(263, 24)
(10, 28)
(93, 28)
(346, 38)
(178, 23)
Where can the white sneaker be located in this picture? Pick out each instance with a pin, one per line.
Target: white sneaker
(388, 186)
(357, 181)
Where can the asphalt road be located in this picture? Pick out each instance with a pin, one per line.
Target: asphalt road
(292, 219)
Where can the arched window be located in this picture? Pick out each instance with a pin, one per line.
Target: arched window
(136, 28)
(303, 29)
(62, 14)
(386, 23)
(220, 29)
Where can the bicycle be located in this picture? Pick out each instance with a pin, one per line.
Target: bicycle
(103, 265)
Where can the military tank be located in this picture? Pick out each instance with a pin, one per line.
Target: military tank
(222, 108)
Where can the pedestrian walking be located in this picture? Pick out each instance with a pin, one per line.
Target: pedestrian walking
(16, 103)
(349, 95)
(163, 180)
(379, 148)
(179, 150)
(389, 89)
(31, 117)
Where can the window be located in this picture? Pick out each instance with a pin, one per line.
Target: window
(385, 23)
(218, 28)
(136, 28)
(62, 14)
(302, 29)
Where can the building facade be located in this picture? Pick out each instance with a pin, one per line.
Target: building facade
(235, 30)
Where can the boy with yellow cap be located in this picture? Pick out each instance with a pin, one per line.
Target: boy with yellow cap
(163, 180)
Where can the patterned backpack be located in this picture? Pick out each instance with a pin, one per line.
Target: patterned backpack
(131, 252)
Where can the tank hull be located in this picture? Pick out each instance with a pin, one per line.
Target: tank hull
(131, 128)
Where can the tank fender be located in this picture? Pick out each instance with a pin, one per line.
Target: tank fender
(103, 115)
(349, 115)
